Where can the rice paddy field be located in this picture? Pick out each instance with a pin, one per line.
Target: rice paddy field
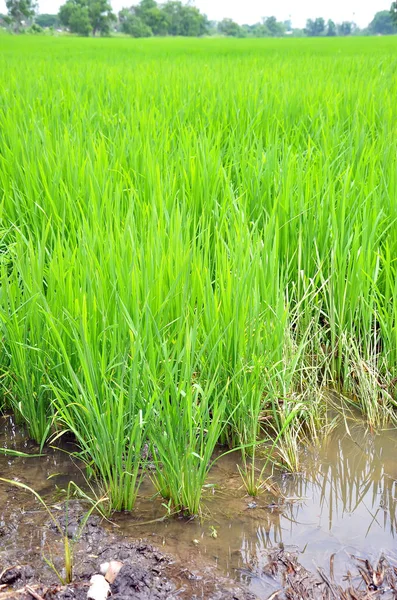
(198, 247)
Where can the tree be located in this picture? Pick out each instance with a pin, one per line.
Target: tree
(150, 14)
(345, 28)
(101, 16)
(331, 28)
(393, 12)
(275, 28)
(184, 19)
(19, 11)
(75, 16)
(230, 28)
(46, 20)
(133, 25)
(383, 23)
(258, 30)
(315, 28)
(172, 18)
(86, 16)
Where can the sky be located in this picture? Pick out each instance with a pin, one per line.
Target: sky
(251, 11)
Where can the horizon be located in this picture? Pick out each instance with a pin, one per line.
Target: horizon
(253, 11)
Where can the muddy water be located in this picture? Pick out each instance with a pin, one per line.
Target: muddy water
(343, 503)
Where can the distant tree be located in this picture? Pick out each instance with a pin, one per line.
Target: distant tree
(172, 18)
(257, 30)
(75, 16)
(46, 20)
(86, 16)
(275, 28)
(248, 30)
(133, 25)
(152, 15)
(345, 28)
(315, 27)
(383, 23)
(393, 12)
(184, 19)
(331, 28)
(212, 27)
(269, 27)
(101, 16)
(230, 28)
(19, 11)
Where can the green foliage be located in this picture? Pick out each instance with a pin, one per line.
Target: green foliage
(275, 28)
(346, 28)
(393, 12)
(46, 20)
(87, 16)
(315, 28)
(172, 18)
(269, 27)
(383, 23)
(74, 15)
(184, 19)
(35, 29)
(133, 25)
(101, 16)
(20, 11)
(152, 16)
(331, 28)
(196, 242)
(230, 28)
(189, 418)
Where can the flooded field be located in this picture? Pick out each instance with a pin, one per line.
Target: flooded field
(343, 503)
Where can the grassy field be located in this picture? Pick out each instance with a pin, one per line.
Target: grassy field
(198, 239)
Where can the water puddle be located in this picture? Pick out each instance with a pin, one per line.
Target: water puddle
(343, 503)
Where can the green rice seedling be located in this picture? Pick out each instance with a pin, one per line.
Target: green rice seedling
(28, 361)
(107, 413)
(188, 420)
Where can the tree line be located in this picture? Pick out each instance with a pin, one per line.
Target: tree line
(150, 18)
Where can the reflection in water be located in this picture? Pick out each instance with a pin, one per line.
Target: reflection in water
(353, 475)
(343, 502)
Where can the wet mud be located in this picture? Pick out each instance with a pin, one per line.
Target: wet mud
(323, 533)
(146, 573)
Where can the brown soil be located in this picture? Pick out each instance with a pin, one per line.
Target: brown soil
(146, 574)
(149, 574)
